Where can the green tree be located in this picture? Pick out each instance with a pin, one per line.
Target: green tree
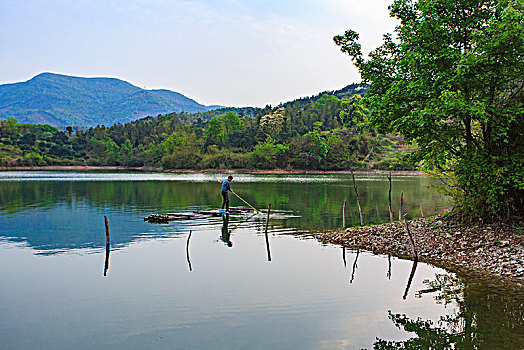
(319, 146)
(265, 154)
(215, 133)
(232, 123)
(451, 82)
(353, 111)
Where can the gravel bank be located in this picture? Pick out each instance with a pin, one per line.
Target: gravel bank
(485, 250)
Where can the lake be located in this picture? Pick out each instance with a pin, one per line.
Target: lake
(212, 283)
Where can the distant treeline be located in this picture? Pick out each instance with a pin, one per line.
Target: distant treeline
(326, 132)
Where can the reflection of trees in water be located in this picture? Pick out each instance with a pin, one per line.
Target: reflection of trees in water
(482, 319)
(318, 203)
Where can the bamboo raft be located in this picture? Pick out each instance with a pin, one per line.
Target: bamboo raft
(193, 215)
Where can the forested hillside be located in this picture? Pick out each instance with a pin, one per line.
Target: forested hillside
(322, 132)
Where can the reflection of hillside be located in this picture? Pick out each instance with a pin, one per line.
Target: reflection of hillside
(68, 226)
(484, 319)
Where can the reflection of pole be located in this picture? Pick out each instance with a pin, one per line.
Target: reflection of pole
(344, 215)
(344, 255)
(106, 265)
(354, 267)
(389, 267)
(108, 241)
(187, 252)
(267, 238)
(413, 268)
(107, 230)
(421, 212)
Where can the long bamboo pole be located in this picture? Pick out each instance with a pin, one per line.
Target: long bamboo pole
(242, 199)
(252, 207)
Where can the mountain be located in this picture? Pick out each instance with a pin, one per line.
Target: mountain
(62, 100)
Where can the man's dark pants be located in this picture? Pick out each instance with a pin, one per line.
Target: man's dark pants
(225, 201)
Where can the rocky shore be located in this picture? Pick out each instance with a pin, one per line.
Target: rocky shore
(488, 251)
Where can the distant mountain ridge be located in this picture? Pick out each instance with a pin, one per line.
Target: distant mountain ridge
(62, 100)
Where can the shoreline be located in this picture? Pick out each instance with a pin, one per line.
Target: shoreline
(492, 252)
(205, 171)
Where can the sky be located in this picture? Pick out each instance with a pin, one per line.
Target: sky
(230, 52)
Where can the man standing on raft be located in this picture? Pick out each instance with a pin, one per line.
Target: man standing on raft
(226, 187)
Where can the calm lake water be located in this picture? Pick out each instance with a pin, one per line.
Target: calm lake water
(226, 286)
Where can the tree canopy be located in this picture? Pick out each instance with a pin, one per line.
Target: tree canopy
(322, 132)
(451, 80)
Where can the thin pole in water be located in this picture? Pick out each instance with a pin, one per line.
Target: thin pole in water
(390, 210)
(400, 207)
(107, 230)
(344, 215)
(415, 255)
(267, 238)
(358, 200)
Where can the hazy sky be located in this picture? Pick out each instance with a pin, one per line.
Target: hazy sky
(230, 52)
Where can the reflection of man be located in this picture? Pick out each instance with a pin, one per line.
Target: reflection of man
(226, 187)
(225, 232)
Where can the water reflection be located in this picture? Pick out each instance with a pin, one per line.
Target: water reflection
(410, 279)
(226, 233)
(266, 234)
(389, 267)
(106, 264)
(187, 251)
(483, 318)
(302, 298)
(354, 267)
(141, 193)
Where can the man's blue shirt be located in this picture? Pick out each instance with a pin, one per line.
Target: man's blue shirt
(226, 185)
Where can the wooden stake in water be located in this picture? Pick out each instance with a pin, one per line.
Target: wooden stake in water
(267, 238)
(400, 206)
(415, 255)
(358, 200)
(107, 230)
(421, 212)
(390, 211)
